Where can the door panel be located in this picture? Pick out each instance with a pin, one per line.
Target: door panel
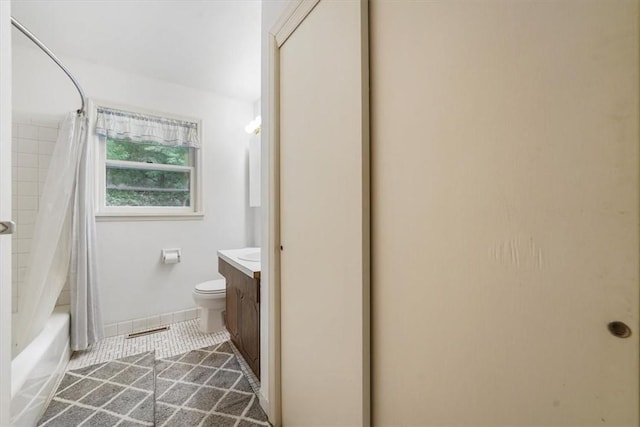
(505, 212)
(5, 211)
(323, 218)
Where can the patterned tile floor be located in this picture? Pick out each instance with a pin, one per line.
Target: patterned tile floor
(204, 387)
(180, 338)
(112, 393)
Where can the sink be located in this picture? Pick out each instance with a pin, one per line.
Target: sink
(251, 256)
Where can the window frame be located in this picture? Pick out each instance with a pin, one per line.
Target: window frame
(117, 213)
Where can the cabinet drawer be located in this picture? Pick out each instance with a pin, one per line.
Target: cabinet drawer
(246, 285)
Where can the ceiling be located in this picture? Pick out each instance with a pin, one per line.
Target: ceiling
(209, 45)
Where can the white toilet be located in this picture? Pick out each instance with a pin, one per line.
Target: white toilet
(210, 298)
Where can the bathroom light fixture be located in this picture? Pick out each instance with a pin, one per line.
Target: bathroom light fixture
(254, 126)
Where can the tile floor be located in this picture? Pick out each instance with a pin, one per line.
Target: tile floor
(180, 338)
(205, 388)
(107, 394)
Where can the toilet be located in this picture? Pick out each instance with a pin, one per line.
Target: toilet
(209, 296)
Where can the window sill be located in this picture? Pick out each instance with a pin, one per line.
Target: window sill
(115, 216)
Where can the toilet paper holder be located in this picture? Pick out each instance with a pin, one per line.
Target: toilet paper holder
(171, 256)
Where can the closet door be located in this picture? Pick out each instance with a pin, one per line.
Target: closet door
(324, 217)
(505, 212)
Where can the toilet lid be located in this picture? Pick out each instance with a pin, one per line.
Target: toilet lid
(212, 287)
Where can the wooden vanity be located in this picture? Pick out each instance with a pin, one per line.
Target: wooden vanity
(242, 305)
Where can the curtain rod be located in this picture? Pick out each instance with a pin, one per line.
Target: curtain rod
(55, 59)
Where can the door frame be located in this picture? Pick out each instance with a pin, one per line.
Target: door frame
(5, 212)
(294, 14)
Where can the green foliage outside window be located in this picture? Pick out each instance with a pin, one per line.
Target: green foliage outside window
(119, 149)
(146, 198)
(147, 187)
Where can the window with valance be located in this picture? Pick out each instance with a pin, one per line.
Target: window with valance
(150, 164)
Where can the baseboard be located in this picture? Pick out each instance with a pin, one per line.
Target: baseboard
(136, 325)
(264, 403)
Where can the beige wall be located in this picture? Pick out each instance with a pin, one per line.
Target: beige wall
(505, 212)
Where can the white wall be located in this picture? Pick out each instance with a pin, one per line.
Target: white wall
(5, 211)
(133, 283)
(253, 227)
(271, 11)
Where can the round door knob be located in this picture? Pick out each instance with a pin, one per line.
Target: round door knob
(619, 329)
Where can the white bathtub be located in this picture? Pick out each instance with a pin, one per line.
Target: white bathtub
(38, 368)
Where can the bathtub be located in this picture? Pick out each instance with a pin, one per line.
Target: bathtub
(36, 371)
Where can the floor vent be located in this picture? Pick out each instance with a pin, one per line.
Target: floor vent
(147, 332)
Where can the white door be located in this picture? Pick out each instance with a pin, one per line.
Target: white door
(5, 212)
(324, 218)
(505, 212)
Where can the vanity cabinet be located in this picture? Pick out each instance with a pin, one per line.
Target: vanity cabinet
(243, 312)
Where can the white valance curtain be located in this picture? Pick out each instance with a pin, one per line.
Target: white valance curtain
(135, 127)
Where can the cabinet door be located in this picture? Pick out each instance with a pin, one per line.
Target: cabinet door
(249, 329)
(232, 310)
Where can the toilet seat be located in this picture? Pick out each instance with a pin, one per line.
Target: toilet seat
(212, 287)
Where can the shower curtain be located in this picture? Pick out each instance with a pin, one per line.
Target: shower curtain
(63, 244)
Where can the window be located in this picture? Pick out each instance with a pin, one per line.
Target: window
(149, 164)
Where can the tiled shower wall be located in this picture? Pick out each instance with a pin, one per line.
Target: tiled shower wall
(33, 140)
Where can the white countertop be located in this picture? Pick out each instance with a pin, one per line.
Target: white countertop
(251, 269)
